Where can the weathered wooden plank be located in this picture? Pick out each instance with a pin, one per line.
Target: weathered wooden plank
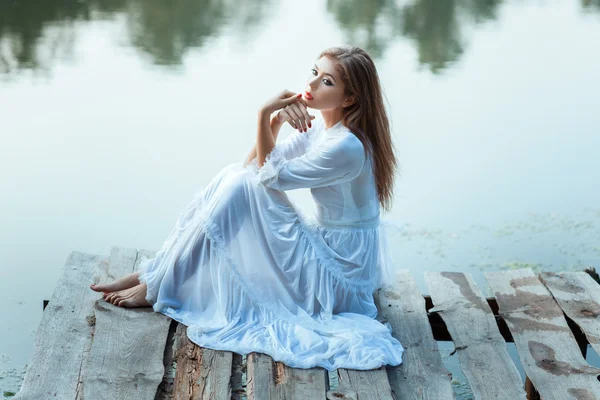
(362, 384)
(126, 358)
(481, 348)
(546, 346)
(578, 294)
(193, 372)
(201, 373)
(268, 379)
(422, 374)
(64, 335)
(166, 389)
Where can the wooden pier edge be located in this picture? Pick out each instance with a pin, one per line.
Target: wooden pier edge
(173, 367)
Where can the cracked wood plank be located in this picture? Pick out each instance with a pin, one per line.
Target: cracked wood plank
(546, 346)
(422, 374)
(201, 373)
(578, 294)
(126, 358)
(471, 323)
(362, 384)
(268, 379)
(64, 335)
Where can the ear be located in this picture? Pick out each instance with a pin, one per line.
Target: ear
(349, 101)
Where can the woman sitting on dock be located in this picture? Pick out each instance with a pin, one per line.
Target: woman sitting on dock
(246, 271)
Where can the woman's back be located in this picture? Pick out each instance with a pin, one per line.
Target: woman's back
(353, 201)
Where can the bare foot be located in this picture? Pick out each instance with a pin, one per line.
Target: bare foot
(125, 282)
(129, 298)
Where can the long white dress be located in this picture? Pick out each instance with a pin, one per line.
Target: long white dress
(246, 271)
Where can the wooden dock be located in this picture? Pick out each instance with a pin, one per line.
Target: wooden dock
(86, 348)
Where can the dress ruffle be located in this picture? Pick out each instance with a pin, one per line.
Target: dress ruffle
(274, 162)
(200, 280)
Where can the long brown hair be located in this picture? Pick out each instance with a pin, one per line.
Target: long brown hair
(367, 117)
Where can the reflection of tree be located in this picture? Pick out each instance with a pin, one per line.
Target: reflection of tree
(358, 20)
(434, 25)
(21, 28)
(480, 10)
(166, 29)
(591, 5)
(33, 34)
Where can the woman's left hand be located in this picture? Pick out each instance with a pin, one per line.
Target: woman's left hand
(281, 100)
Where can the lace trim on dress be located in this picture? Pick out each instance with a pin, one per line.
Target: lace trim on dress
(212, 232)
(202, 221)
(327, 261)
(267, 316)
(274, 162)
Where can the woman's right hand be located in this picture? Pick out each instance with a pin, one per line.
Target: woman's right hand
(296, 115)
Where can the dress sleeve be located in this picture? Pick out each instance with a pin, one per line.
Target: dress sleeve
(294, 145)
(297, 142)
(336, 160)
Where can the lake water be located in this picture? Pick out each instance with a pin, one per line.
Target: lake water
(112, 114)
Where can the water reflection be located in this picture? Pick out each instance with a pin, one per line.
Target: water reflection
(435, 26)
(591, 5)
(359, 19)
(22, 26)
(35, 34)
(166, 30)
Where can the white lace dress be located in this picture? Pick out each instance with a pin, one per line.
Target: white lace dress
(245, 271)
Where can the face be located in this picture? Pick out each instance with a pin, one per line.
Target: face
(325, 86)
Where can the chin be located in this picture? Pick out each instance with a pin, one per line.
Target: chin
(313, 105)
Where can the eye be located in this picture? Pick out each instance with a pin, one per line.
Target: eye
(314, 72)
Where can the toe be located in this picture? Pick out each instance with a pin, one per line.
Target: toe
(97, 288)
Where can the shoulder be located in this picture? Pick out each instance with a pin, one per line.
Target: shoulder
(347, 142)
(345, 148)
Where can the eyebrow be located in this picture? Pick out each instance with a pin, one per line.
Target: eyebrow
(325, 73)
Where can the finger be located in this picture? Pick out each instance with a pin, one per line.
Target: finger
(292, 99)
(288, 117)
(300, 110)
(306, 117)
(295, 116)
(298, 116)
(301, 100)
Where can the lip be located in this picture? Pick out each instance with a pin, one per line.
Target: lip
(308, 95)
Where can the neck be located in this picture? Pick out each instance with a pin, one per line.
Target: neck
(331, 117)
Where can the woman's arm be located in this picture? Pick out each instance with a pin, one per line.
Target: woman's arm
(335, 160)
(275, 128)
(265, 142)
(264, 137)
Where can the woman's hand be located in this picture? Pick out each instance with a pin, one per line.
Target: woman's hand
(296, 115)
(294, 109)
